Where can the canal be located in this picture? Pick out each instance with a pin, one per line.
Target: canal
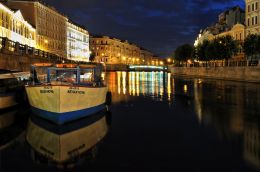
(160, 123)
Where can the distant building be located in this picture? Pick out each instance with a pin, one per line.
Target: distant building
(230, 22)
(233, 16)
(114, 51)
(15, 28)
(51, 26)
(252, 17)
(226, 21)
(77, 42)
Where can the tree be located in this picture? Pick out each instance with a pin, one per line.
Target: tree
(252, 45)
(218, 49)
(184, 52)
(200, 50)
(227, 46)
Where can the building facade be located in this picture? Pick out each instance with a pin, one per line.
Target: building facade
(77, 42)
(50, 25)
(15, 28)
(114, 51)
(226, 22)
(230, 22)
(252, 17)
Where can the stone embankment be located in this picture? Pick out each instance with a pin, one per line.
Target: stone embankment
(247, 71)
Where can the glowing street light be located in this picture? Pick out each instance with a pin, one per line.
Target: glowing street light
(161, 62)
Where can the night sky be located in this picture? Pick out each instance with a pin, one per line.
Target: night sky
(157, 25)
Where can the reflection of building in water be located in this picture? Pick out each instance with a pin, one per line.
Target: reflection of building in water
(220, 103)
(233, 109)
(66, 143)
(140, 83)
(252, 143)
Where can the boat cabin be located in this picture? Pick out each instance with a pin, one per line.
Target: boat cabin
(68, 74)
(8, 82)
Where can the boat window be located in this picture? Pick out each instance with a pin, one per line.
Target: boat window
(39, 75)
(63, 76)
(86, 75)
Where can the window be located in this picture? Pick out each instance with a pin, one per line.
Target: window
(248, 22)
(253, 7)
(256, 21)
(253, 20)
(248, 9)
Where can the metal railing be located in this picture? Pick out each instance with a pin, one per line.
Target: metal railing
(224, 63)
(9, 46)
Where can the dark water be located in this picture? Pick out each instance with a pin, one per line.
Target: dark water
(160, 123)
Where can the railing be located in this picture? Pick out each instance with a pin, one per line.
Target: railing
(9, 46)
(224, 63)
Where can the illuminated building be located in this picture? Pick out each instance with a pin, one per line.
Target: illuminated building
(252, 17)
(77, 42)
(15, 28)
(114, 51)
(51, 26)
(230, 22)
(227, 21)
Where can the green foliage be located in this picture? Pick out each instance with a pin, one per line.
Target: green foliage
(184, 52)
(219, 49)
(252, 45)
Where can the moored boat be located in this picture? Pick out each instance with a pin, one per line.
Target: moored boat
(65, 92)
(9, 86)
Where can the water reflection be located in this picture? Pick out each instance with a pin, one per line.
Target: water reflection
(233, 108)
(12, 125)
(157, 85)
(67, 144)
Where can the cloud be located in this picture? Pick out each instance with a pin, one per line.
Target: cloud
(158, 25)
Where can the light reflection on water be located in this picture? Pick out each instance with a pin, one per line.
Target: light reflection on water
(232, 109)
(157, 85)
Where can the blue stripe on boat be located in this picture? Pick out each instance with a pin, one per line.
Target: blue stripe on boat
(61, 118)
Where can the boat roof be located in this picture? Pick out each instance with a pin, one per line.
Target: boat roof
(6, 74)
(68, 65)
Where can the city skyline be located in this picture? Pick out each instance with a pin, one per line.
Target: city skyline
(159, 26)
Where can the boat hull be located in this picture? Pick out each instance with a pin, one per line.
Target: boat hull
(61, 104)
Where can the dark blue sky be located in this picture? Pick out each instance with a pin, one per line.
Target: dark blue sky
(157, 25)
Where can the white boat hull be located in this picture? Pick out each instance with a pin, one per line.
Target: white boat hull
(62, 104)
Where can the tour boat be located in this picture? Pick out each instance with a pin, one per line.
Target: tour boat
(69, 143)
(9, 86)
(65, 92)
